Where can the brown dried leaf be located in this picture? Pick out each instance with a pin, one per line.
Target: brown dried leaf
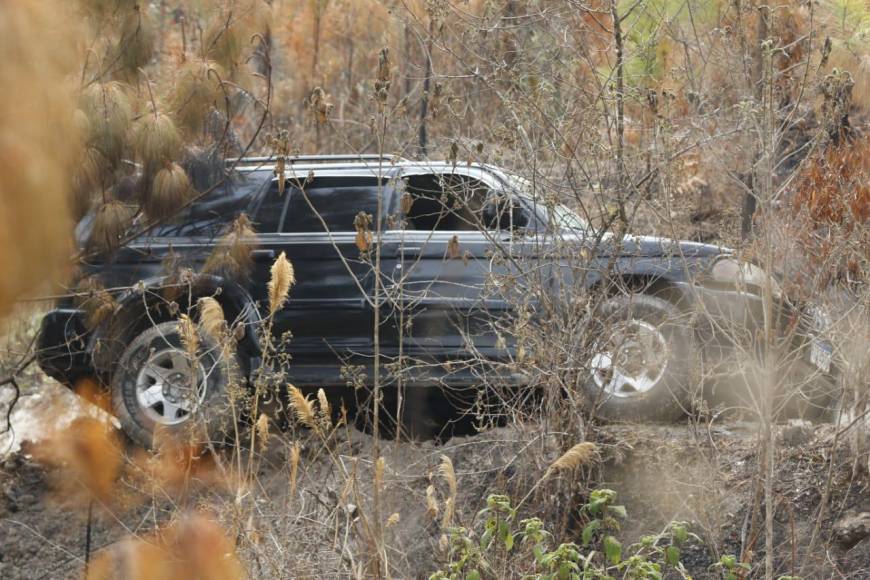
(453, 249)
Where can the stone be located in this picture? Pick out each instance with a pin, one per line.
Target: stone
(852, 529)
(796, 433)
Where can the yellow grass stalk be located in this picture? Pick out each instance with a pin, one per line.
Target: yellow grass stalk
(324, 411)
(295, 453)
(280, 282)
(263, 430)
(445, 469)
(380, 466)
(431, 503)
(189, 336)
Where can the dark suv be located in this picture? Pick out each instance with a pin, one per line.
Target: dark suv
(459, 246)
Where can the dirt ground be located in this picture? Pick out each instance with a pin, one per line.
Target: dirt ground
(701, 475)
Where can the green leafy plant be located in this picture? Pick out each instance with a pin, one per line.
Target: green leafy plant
(526, 548)
(730, 568)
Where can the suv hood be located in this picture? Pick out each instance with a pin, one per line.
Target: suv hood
(651, 246)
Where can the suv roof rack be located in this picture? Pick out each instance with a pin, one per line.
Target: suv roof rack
(318, 158)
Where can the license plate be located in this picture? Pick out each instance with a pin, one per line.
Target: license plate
(820, 355)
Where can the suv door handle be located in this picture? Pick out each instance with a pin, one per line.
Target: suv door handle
(263, 255)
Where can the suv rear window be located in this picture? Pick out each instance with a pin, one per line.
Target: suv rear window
(335, 200)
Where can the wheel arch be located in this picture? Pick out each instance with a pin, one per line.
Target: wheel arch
(664, 286)
(162, 299)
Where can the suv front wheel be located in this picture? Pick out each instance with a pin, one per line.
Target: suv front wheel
(641, 360)
(158, 386)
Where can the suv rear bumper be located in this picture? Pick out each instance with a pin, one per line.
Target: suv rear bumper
(62, 345)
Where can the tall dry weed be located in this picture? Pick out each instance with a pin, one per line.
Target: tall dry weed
(38, 143)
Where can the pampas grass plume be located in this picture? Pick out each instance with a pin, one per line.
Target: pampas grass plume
(445, 469)
(577, 456)
(108, 111)
(280, 282)
(211, 318)
(137, 39)
(110, 222)
(302, 407)
(156, 140)
(195, 92)
(169, 192)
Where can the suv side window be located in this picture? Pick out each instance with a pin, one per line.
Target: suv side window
(336, 200)
(271, 210)
(443, 202)
(458, 203)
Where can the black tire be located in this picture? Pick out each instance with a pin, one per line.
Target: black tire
(207, 421)
(667, 398)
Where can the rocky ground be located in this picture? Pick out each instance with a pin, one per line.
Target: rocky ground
(702, 475)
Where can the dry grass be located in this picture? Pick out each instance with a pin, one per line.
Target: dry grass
(578, 456)
(95, 301)
(211, 319)
(109, 111)
(303, 408)
(280, 282)
(189, 336)
(137, 38)
(193, 546)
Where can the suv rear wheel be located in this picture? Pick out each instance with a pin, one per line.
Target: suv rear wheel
(158, 387)
(641, 362)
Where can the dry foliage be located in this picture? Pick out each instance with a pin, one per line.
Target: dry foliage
(189, 336)
(231, 257)
(88, 458)
(96, 302)
(834, 187)
(156, 140)
(193, 546)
